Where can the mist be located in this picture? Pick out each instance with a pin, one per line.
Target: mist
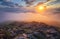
(49, 16)
(46, 17)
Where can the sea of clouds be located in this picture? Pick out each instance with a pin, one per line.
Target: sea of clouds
(9, 12)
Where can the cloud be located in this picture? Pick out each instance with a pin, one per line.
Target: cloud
(10, 7)
(27, 14)
(53, 13)
(8, 3)
(56, 10)
(53, 2)
(9, 10)
(57, 1)
(50, 1)
(29, 2)
(24, 14)
(5, 0)
(1, 0)
(16, 10)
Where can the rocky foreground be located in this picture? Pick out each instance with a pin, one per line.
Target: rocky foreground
(28, 30)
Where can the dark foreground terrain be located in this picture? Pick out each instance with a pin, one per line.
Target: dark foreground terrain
(28, 30)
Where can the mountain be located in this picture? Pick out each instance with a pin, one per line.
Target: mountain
(28, 30)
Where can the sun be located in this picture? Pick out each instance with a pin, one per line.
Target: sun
(40, 8)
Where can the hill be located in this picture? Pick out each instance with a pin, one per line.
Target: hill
(28, 30)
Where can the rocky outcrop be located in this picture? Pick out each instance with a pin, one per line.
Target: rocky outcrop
(28, 30)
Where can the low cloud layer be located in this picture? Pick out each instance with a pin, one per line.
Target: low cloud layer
(49, 16)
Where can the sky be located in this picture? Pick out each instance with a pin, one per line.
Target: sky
(17, 10)
(20, 2)
(32, 2)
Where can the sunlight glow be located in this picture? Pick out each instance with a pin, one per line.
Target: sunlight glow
(40, 8)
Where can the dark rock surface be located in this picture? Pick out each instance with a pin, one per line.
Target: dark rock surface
(28, 30)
